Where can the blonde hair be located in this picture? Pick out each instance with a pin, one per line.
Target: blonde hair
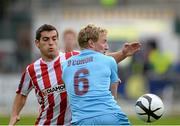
(90, 32)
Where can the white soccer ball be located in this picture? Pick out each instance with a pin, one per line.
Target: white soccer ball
(149, 107)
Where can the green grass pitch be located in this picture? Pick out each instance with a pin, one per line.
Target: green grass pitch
(166, 120)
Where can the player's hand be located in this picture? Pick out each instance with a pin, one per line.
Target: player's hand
(130, 48)
(14, 120)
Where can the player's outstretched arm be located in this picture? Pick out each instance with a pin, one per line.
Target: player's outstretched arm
(128, 49)
(18, 104)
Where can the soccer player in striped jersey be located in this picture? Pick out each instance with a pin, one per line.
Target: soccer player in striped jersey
(44, 75)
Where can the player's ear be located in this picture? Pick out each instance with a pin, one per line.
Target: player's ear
(91, 43)
(37, 43)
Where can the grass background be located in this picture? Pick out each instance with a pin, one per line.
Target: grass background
(166, 120)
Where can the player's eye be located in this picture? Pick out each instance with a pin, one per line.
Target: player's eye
(45, 39)
(54, 39)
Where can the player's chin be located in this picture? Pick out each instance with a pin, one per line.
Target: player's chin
(104, 52)
(52, 54)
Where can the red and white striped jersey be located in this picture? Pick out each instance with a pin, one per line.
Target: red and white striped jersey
(45, 78)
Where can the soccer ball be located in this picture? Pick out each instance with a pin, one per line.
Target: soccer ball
(149, 107)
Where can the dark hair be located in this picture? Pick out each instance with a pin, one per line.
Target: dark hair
(44, 27)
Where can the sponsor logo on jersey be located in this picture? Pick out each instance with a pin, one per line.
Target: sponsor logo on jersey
(58, 89)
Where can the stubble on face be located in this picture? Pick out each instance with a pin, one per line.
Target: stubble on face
(48, 45)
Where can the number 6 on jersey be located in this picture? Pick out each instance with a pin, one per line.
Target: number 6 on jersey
(80, 77)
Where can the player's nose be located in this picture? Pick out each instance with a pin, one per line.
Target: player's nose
(51, 42)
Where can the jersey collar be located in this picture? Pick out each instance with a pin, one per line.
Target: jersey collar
(88, 51)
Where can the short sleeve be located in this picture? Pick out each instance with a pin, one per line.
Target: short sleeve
(25, 85)
(114, 69)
